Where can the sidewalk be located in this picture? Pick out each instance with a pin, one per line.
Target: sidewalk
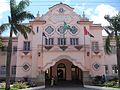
(100, 88)
(85, 86)
(35, 88)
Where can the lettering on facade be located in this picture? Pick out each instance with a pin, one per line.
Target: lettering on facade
(56, 18)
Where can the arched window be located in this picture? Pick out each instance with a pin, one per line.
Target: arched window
(49, 29)
(61, 65)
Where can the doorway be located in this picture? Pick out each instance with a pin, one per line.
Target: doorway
(61, 71)
(74, 73)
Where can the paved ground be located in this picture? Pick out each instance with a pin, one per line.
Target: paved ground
(86, 87)
(79, 88)
(68, 88)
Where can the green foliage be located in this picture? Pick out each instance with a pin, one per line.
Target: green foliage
(20, 85)
(110, 84)
(113, 84)
(14, 89)
(113, 31)
(18, 14)
(1, 44)
(2, 85)
(97, 80)
(2, 89)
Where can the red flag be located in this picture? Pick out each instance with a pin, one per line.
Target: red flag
(85, 31)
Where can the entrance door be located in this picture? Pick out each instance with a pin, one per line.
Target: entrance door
(61, 71)
(75, 72)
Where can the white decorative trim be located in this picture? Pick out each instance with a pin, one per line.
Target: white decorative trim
(74, 61)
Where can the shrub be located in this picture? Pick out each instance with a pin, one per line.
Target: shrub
(2, 85)
(110, 84)
(20, 85)
(97, 80)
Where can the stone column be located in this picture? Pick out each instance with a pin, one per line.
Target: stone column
(41, 78)
(86, 78)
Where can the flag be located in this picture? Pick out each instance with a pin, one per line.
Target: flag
(43, 34)
(66, 26)
(90, 35)
(87, 33)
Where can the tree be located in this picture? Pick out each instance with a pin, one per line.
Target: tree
(113, 31)
(1, 43)
(17, 15)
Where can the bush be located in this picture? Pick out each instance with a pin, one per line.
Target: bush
(2, 85)
(20, 85)
(110, 84)
(97, 80)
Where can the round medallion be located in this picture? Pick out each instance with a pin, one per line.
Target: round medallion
(61, 10)
(96, 66)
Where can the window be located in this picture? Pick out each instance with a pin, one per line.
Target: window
(61, 41)
(37, 29)
(106, 69)
(61, 10)
(113, 49)
(49, 41)
(13, 70)
(14, 48)
(26, 46)
(95, 46)
(74, 41)
(61, 30)
(114, 69)
(73, 30)
(3, 70)
(49, 29)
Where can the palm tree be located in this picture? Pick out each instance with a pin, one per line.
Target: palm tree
(17, 15)
(113, 31)
(1, 43)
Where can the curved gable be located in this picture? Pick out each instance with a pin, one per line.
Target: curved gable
(60, 13)
(61, 4)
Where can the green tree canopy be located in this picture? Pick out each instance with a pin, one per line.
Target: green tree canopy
(18, 14)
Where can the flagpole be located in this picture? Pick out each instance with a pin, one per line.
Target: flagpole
(42, 51)
(84, 45)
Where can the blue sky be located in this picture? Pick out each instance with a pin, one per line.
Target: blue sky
(94, 9)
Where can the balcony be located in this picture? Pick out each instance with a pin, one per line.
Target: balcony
(48, 47)
(27, 53)
(63, 47)
(97, 53)
(78, 47)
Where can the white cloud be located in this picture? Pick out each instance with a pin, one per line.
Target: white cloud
(79, 8)
(4, 6)
(97, 14)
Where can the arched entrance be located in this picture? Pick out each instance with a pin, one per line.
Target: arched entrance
(64, 71)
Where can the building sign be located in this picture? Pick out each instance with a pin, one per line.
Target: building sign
(58, 18)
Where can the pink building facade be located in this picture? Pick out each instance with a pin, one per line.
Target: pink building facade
(66, 54)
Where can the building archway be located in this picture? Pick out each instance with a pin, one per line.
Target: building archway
(65, 71)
